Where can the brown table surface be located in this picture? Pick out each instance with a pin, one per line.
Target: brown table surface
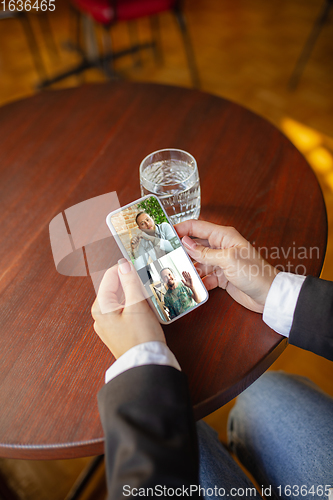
(60, 148)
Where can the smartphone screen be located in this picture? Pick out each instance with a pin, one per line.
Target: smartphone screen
(147, 238)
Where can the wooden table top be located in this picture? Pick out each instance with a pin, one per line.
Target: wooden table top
(60, 148)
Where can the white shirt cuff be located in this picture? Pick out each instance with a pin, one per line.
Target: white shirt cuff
(148, 353)
(281, 302)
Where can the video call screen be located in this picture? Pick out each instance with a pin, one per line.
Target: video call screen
(155, 250)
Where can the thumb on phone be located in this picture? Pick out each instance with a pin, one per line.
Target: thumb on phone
(130, 283)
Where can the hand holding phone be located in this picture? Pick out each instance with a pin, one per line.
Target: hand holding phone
(116, 329)
(226, 259)
(147, 238)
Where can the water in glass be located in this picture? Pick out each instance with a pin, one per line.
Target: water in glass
(177, 185)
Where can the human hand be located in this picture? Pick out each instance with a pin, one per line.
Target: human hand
(146, 235)
(143, 236)
(123, 318)
(187, 280)
(135, 241)
(226, 260)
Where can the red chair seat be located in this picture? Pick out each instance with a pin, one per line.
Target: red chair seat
(103, 12)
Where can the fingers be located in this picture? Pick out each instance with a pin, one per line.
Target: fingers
(212, 276)
(203, 254)
(244, 299)
(186, 275)
(210, 281)
(217, 236)
(215, 279)
(198, 228)
(202, 242)
(203, 269)
(187, 281)
(130, 282)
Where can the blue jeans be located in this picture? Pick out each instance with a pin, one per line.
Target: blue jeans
(281, 429)
(219, 474)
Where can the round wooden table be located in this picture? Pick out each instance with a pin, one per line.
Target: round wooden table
(60, 148)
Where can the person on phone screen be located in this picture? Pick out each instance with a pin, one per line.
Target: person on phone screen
(153, 239)
(180, 295)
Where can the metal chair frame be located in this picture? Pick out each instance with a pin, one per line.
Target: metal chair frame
(104, 62)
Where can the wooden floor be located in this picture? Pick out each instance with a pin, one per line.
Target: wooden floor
(246, 52)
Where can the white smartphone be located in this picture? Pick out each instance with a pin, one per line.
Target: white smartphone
(146, 237)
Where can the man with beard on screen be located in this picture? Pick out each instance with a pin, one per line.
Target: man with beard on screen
(180, 295)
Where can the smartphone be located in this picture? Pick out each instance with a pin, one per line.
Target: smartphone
(146, 237)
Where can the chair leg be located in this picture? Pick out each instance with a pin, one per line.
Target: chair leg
(33, 45)
(89, 38)
(108, 59)
(74, 43)
(134, 40)
(6, 492)
(87, 47)
(78, 26)
(300, 65)
(45, 26)
(188, 47)
(77, 30)
(84, 478)
(156, 36)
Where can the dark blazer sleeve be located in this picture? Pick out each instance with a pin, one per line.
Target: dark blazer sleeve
(150, 435)
(312, 327)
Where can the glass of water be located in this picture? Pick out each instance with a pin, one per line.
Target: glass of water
(172, 175)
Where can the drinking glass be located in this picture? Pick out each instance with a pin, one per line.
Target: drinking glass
(172, 175)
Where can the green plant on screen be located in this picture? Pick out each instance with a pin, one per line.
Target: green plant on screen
(151, 207)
